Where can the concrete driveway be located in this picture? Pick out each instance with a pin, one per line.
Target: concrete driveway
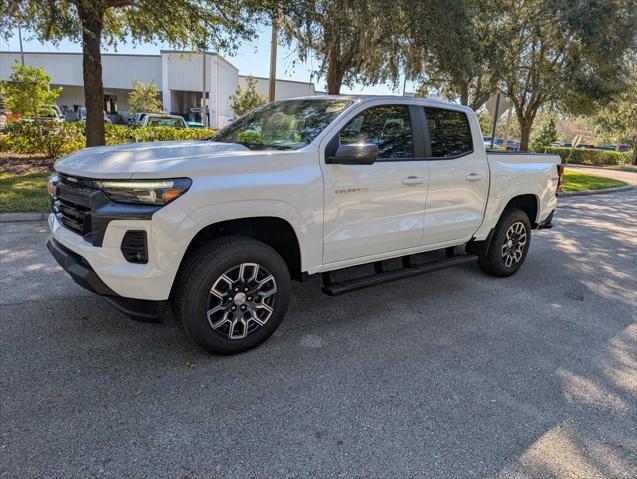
(450, 375)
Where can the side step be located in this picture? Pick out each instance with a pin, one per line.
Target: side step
(337, 288)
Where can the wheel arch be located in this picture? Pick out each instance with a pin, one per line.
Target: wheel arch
(529, 203)
(276, 232)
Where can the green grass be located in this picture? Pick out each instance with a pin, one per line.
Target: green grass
(584, 182)
(23, 192)
(28, 192)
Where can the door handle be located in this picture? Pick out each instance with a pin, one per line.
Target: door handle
(413, 180)
(472, 177)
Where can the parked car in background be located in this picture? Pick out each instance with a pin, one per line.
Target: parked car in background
(295, 188)
(82, 116)
(136, 119)
(51, 113)
(195, 124)
(161, 119)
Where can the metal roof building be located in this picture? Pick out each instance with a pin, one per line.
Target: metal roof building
(180, 77)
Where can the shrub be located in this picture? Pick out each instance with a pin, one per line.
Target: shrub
(584, 156)
(48, 137)
(56, 139)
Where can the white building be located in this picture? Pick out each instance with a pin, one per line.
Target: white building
(178, 75)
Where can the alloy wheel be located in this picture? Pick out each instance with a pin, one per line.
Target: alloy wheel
(241, 300)
(514, 244)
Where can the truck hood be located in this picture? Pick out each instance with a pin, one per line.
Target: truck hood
(146, 159)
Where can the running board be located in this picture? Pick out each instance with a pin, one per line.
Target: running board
(337, 288)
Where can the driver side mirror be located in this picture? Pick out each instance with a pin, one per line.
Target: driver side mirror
(357, 154)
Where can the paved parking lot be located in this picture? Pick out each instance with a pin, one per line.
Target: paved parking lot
(449, 375)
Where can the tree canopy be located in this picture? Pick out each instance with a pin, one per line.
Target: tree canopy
(355, 41)
(563, 52)
(460, 58)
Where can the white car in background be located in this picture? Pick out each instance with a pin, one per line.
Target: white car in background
(51, 113)
(162, 119)
(82, 116)
(136, 119)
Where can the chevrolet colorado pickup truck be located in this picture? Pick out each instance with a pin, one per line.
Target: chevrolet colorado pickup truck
(214, 230)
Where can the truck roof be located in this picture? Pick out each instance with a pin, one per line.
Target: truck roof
(361, 98)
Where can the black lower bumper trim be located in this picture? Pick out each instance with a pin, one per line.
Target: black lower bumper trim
(145, 310)
(78, 268)
(81, 272)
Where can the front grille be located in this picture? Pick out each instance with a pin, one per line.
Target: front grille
(72, 203)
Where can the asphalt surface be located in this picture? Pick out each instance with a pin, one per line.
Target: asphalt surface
(449, 375)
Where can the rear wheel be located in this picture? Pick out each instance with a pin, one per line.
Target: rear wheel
(232, 294)
(509, 245)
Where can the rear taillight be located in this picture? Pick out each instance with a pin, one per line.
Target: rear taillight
(560, 181)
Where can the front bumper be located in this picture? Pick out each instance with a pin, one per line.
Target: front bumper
(81, 272)
(168, 232)
(78, 269)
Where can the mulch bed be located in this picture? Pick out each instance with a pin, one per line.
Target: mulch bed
(16, 164)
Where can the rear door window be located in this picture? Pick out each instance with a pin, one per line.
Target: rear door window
(449, 132)
(387, 126)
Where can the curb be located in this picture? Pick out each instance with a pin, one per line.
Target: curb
(596, 192)
(26, 216)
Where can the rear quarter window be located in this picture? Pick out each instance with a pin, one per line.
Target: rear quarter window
(449, 132)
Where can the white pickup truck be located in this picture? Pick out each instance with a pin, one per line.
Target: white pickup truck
(216, 229)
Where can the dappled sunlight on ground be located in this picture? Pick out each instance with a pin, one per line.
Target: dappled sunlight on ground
(592, 440)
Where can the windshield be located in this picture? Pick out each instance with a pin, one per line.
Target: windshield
(282, 125)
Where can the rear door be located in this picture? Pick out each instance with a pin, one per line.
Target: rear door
(378, 208)
(458, 177)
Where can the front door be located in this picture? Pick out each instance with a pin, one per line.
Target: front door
(378, 208)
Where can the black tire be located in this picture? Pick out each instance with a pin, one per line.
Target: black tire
(203, 269)
(493, 262)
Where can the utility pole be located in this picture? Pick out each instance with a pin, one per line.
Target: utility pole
(21, 49)
(204, 109)
(273, 48)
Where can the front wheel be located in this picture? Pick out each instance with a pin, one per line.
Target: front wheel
(232, 294)
(509, 245)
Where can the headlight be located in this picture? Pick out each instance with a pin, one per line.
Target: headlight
(52, 184)
(149, 192)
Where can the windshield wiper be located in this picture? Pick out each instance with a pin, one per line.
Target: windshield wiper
(261, 146)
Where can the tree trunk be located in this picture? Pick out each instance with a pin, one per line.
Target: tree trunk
(464, 94)
(335, 71)
(92, 23)
(633, 160)
(525, 133)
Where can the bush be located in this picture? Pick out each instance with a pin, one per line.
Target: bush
(48, 137)
(56, 139)
(584, 156)
(118, 134)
